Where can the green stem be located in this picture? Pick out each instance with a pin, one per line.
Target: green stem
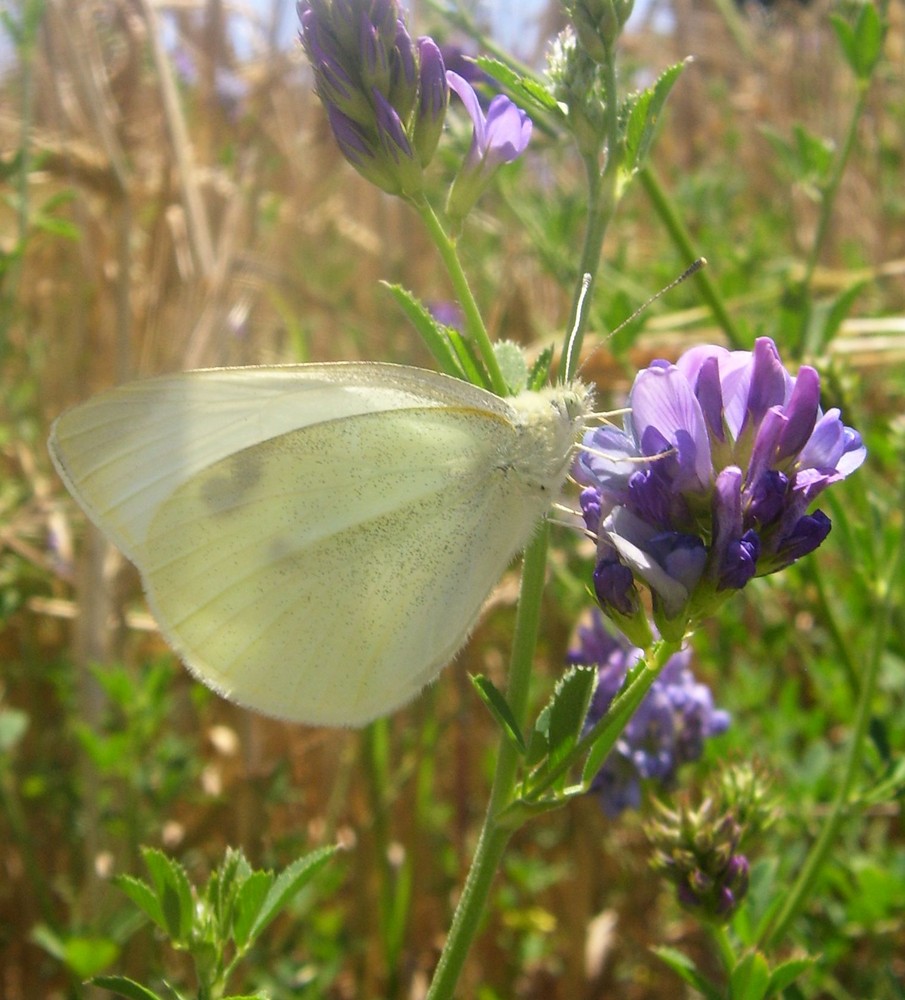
(494, 836)
(828, 838)
(599, 213)
(601, 205)
(376, 757)
(832, 187)
(724, 945)
(827, 204)
(683, 243)
(474, 324)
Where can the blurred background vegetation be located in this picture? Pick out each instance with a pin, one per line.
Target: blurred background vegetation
(172, 199)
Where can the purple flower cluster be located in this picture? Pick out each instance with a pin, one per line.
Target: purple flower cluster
(667, 730)
(384, 94)
(386, 98)
(709, 481)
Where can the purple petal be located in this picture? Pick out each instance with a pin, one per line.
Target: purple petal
(630, 536)
(682, 556)
(739, 564)
(500, 137)
(614, 586)
(770, 383)
(350, 136)
(590, 502)
(809, 532)
(736, 369)
(693, 360)
(766, 443)
(801, 412)
(469, 98)
(434, 90)
(390, 128)
(404, 50)
(826, 445)
(507, 132)
(709, 392)
(607, 458)
(853, 453)
(726, 514)
(767, 497)
(662, 398)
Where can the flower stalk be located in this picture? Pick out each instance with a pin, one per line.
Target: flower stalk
(495, 834)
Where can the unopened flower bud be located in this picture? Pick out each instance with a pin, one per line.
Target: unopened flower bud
(385, 97)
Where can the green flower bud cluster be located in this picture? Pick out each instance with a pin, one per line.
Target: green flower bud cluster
(699, 849)
(598, 24)
(575, 83)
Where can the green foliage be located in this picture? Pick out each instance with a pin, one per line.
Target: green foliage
(559, 724)
(642, 114)
(861, 38)
(499, 708)
(436, 336)
(220, 922)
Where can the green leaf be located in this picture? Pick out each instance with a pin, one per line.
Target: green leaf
(468, 359)
(288, 883)
(174, 892)
(644, 115)
(568, 709)
(82, 955)
(123, 987)
(224, 885)
(433, 334)
(539, 375)
(524, 90)
(784, 975)
(750, 979)
(143, 896)
(512, 364)
(249, 900)
(862, 41)
(499, 708)
(86, 956)
(685, 968)
(539, 741)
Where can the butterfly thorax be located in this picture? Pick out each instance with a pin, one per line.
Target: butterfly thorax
(548, 424)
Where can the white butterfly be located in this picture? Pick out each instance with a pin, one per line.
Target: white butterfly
(316, 541)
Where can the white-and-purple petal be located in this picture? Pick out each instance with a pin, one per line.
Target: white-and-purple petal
(662, 401)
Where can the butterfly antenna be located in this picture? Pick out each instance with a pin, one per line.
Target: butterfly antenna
(573, 340)
(693, 268)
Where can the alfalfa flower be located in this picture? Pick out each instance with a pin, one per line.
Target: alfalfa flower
(385, 95)
(499, 137)
(710, 481)
(667, 730)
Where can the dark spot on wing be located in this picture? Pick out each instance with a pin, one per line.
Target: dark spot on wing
(235, 478)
